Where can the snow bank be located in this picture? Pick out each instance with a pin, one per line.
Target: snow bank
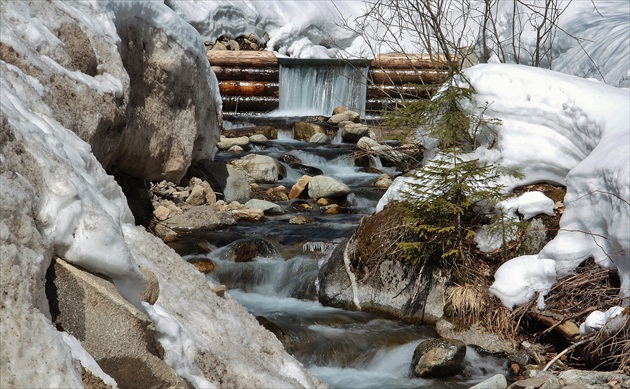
(597, 319)
(569, 131)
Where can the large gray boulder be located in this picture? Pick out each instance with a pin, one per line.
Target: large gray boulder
(328, 187)
(390, 287)
(135, 94)
(229, 181)
(125, 348)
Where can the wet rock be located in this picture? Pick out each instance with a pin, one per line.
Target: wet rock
(227, 143)
(290, 159)
(278, 193)
(301, 219)
(383, 181)
(247, 214)
(246, 250)
(495, 382)
(350, 116)
(268, 131)
(352, 132)
(309, 170)
(387, 289)
(259, 168)
(298, 189)
(320, 139)
(339, 109)
(258, 138)
(305, 130)
(204, 265)
(332, 209)
(438, 358)
(475, 335)
(267, 207)
(236, 149)
(301, 205)
(322, 186)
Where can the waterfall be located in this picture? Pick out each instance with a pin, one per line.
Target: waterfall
(317, 86)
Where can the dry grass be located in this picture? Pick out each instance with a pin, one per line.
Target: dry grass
(467, 303)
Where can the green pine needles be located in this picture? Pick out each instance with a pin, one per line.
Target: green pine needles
(452, 194)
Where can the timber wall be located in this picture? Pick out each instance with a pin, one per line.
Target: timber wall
(249, 80)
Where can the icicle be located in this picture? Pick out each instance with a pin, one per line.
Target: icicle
(351, 276)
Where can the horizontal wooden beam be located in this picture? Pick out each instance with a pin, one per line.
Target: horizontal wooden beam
(246, 74)
(248, 88)
(242, 58)
(409, 61)
(405, 76)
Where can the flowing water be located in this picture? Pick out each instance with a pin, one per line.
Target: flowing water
(346, 349)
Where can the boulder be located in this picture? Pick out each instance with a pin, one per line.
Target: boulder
(225, 179)
(247, 214)
(204, 265)
(320, 139)
(305, 130)
(125, 348)
(323, 186)
(267, 207)
(438, 358)
(197, 219)
(352, 132)
(387, 289)
(298, 188)
(540, 379)
(339, 109)
(383, 181)
(247, 249)
(350, 116)
(582, 378)
(227, 143)
(268, 131)
(258, 138)
(197, 192)
(259, 168)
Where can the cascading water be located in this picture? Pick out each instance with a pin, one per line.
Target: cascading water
(317, 86)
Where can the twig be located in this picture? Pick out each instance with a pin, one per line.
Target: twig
(566, 350)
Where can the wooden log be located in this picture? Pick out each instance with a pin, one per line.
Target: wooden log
(248, 88)
(400, 91)
(406, 76)
(409, 61)
(242, 58)
(235, 104)
(383, 104)
(247, 74)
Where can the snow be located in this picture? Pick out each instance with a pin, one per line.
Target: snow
(529, 204)
(79, 353)
(597, 319)
(518, 280)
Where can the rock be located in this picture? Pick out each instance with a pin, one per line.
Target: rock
(236, 149)
(305, 130)
(290, 159)
(152, 289)
(197, 195)
(320, 139)
(352, 132)
(219, 46)
(247, 249)
(332, 209)
(259, 138)
(198, 219)
(438, 358)
(219, 290)
(233, 45)
(125, 348)
(495, 382)
(344, 116)
(267, 207)
(259, 168)
(383, 181)
(542, 379)
(276, 194)
(226, 179)
(301, 219)
(298, 188)
(204, 265)
(339, 109)
(475, 335)
(386, 289)
(368, 144)
(162, 213)
(268, 131)
(322, 186)
(585, 378)
(252, 215)
(227, 143)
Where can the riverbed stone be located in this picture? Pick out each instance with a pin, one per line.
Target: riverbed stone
(197, 219)
(320, 139)
(305, 130)
(593, 379)
(542, 379)
(497, 381)
(323, 186)
(258, 168)
(299, 187)
(247, 214)
(267, 207)
(204, 265)
(161, 213)
(268, 131)
(438, 358)
(383, 181)
(258, 138)
(227, 143)
(301, 219)
(352, 132)
(350, 116)
(231, 182)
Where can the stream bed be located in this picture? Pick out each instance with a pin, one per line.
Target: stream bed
(345, 349)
